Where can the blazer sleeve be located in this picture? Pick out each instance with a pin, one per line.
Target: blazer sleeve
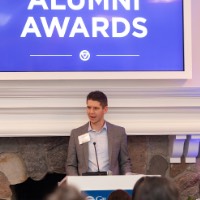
(124, 159)
(72, 161)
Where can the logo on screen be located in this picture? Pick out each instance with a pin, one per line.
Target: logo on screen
(97, 198)
(84, 55)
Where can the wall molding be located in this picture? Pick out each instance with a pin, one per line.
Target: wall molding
(54, 109)
(62, 90)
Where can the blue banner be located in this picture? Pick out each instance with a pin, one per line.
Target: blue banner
(101, 194)
(91, 35)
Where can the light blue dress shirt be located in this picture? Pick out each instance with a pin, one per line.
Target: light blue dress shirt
(101, 139)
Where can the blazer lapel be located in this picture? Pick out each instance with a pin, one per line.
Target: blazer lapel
(110, 141)
(85, 146)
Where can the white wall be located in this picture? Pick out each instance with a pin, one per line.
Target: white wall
(142, 106)
(195, 44)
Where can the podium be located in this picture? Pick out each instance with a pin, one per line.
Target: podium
(99, 187)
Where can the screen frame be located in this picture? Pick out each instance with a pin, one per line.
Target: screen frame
(186, 74)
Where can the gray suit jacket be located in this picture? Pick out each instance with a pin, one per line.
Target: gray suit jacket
(119, 161)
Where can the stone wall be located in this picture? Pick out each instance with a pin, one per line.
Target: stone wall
(21, 158)
(150, 155)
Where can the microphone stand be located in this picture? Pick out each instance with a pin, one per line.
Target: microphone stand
(94, 143)
(98, 173)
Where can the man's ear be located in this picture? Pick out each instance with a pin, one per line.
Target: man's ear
(105, 109)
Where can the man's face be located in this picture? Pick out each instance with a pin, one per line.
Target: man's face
(95, 111)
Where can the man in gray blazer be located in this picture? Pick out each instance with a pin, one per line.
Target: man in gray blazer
(108, 140)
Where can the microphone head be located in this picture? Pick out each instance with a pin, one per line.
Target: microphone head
(94, 143)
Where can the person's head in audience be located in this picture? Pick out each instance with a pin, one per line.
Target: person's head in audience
(137, 186)
(119, 195)
(66, 193)
(156, 188)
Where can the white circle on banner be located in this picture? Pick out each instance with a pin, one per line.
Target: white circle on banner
(84, 55)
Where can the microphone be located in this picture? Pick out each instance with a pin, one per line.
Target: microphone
(94, 143)
(98, 173)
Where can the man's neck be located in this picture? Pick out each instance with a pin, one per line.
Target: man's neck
(97, 126)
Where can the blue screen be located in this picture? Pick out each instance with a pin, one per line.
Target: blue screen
(91, 35)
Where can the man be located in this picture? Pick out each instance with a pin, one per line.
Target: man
(109, 140)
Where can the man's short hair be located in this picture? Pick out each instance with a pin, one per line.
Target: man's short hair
(98, 96)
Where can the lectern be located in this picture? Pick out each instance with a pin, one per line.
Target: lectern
(99, 187)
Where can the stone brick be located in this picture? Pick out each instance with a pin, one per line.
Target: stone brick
(8, 145)
(34, 155)
(195, 167)
(158, 145)
(188, 181)
(13, 167)
(137, 146)
(178, 168)
(56, 149)
(191, 191)
(157, 166)
(5, 191)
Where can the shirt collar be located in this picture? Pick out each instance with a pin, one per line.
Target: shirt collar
(103, 128)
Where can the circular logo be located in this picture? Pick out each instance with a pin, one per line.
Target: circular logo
(84, 55)
(90, 198)
(100, 198)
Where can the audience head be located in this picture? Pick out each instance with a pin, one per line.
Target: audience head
(119, 195)
(137, 186)
(156, 188)
(66, 193)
